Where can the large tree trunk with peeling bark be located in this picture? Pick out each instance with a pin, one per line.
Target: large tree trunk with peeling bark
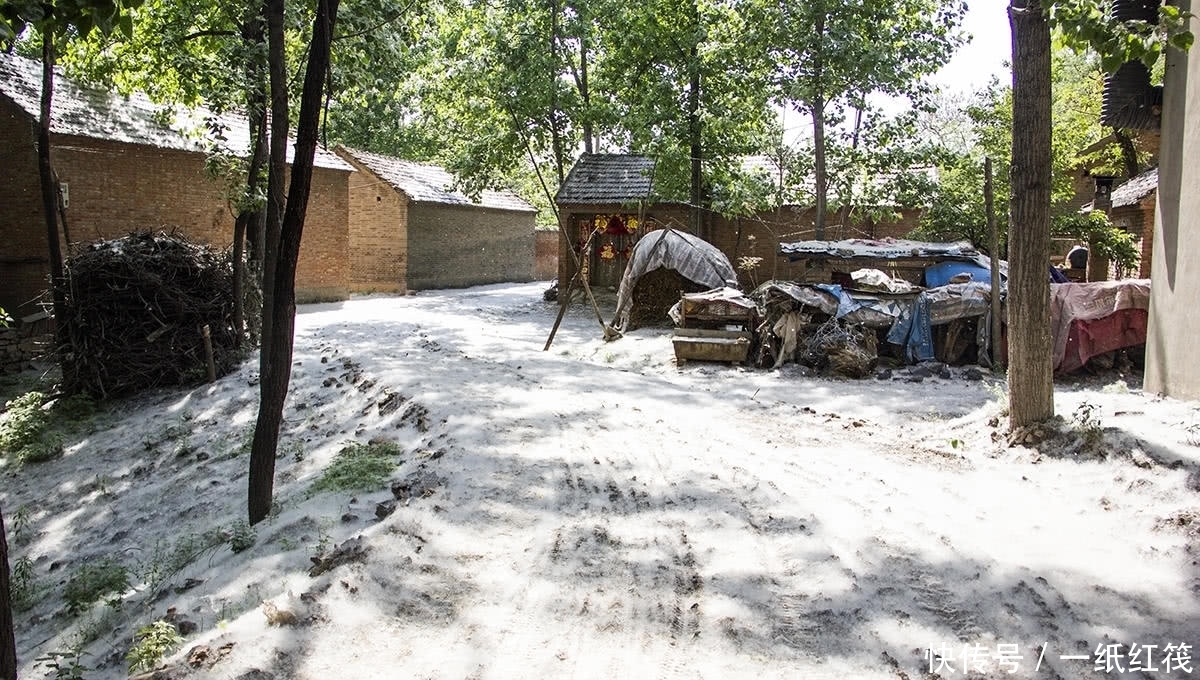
(1031, 367)
(277, 346)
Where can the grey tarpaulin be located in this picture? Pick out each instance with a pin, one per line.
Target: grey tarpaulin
(694, 258)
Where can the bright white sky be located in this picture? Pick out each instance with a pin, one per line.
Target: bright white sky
(988, 52)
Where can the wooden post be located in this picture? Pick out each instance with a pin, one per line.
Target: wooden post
(994, 246)
(610, 333)
(208, 353)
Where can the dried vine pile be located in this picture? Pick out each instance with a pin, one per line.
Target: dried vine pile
(136, 307)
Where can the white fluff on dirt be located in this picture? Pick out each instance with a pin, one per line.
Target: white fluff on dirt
(596, 511)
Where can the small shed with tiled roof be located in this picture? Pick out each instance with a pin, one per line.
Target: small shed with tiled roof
(127, 164)
(1130, 206)
(412, 230)
(612, 195)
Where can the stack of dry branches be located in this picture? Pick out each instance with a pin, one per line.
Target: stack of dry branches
(136, 311)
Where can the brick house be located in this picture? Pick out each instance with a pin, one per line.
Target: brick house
(1131, 207)
(126, 164)
(411, 230)
(617, 190)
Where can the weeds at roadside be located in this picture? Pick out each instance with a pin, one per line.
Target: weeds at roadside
(23, 585)
(63, 665)
(241, 536)
(23, 425)
(92, 582)
(168, 560)
(151, 644)
(324, 537)
(20, 523)
(98, 624)
(999, 393)
(32, 427)
(1192, 434)
(1086, 421)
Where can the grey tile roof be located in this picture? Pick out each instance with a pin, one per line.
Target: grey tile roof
(95, 113)
(1135, 189)
(424, 182)
(608, 178)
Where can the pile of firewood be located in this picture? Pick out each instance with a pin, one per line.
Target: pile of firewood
(655, 293)
(138, 311)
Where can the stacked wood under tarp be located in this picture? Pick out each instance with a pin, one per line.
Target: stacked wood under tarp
(646, 292)
(137, 309)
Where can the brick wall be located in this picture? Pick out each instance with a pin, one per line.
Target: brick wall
(1138, 219)
(116, 188)
(23, 260)
(545, 266)
(760, 236)
(323, 272)
(378, 234)
(457, 246)
(754, 236)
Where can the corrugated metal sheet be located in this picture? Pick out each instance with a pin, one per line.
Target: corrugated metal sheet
(608, 178)
(878, 249)
(94, 113)
(429, 183)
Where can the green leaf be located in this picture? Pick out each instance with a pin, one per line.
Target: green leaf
(1183, 41)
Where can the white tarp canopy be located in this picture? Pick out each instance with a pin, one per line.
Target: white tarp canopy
(694, 258)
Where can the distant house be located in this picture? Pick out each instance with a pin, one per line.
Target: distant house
(127, 164)
(614, 195)
(411, 230)
(1131, 208)
(611, 195)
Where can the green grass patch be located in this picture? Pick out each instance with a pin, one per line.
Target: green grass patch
(360, 467)
(23, 424)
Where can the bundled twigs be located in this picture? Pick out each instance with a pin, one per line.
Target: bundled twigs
(137, 308)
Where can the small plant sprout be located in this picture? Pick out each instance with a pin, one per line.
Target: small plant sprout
(1086, 420)
(63, 665)
(151, 644)
(241, 536)
(1192, 434)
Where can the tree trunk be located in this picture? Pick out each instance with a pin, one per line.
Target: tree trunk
(248, 228)
(50, 191)
(278, 352)
(847, 197)
(989, 208)
(1030, 355)
(820, 179)
(556, 136)
(695, 144)
(1129, 157)
(585, 96)
(277, 67)
(8, 640)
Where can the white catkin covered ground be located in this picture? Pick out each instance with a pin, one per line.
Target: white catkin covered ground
(596, 511)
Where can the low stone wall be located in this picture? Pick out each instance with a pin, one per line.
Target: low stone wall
(19, 345)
